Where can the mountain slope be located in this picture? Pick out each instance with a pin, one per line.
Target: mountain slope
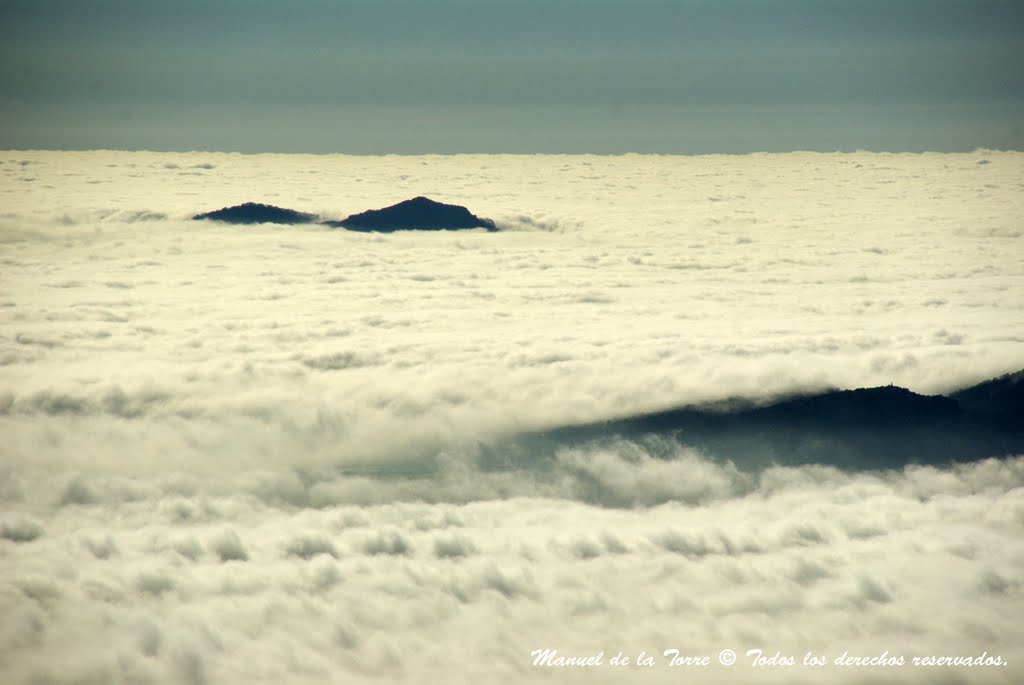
(868, 428)
(999, 396)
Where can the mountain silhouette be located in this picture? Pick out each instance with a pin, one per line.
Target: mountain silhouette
(256, 213)
(999, 396)
(868, 428)
(417, 214)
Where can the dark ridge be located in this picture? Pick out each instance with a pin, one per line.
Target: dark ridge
(417, 214)
(869, 428)
(255, 213)
(864, 406)
(999, 396)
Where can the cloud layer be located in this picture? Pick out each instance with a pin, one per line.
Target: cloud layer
(177, 579)
(274, 453)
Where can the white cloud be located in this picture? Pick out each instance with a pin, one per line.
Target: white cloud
(810, 559)
(280, 454)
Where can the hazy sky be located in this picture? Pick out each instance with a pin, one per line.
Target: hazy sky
(405, 76)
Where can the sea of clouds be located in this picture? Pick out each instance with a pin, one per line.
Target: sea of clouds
(278, 454)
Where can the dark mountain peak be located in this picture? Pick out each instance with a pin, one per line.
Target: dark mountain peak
(256, 213)
(418, 214)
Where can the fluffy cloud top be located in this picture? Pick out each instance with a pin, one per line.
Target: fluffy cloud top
(274, 453)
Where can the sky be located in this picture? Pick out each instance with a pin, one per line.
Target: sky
(601, 76)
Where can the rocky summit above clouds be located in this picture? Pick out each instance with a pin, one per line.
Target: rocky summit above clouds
(256, 213)
(417, 214)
